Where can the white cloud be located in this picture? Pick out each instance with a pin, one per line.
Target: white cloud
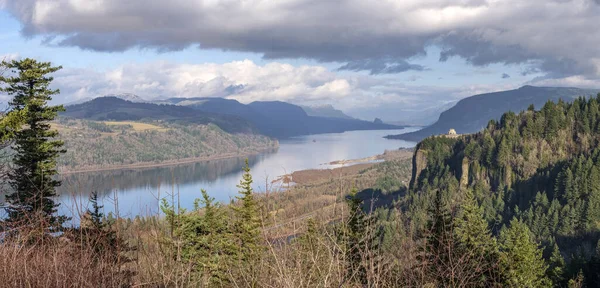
(570, 81)
(363, 95)
(555, 36)
(241, 80)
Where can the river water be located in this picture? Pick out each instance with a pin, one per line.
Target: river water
(136, 191)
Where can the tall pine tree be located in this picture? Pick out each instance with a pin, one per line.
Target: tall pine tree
(479, 250)
(521, 259)
(36, 149)
(358, 239)
(247, 229)
(557, 265)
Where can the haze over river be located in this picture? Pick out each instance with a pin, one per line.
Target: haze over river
(138, 190)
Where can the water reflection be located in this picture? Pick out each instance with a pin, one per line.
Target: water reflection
(138, 190)
(105, 182)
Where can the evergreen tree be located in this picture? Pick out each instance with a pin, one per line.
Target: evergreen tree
(94, 218)
(207, 241)
(557, 265)
(476, 243)
(356, 238)
(521, 260)
(440, 246)
(578, 281)
(33, 179)
(10, 124)
(592, 269)
(247, 228)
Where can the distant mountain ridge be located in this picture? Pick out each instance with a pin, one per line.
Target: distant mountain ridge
(472, 114)
(113, 108)
(325, 111)
(272, 118)
(125, 96)
(278, 119)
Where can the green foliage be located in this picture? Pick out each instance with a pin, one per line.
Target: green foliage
(354, 238)
(388, 184)
(247, 228)
(542, 167)
(92, 144)
(521, 259)
(556, 271)
(11, 123)
(206, 240)
(476, 242)
(36, 149)
(440, 244)
(96, 217)
(215, 243)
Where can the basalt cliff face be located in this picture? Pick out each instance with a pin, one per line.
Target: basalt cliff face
(541, 167)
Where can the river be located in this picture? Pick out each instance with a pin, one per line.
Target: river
(136, 191)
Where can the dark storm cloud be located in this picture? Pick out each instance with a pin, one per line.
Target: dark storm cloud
(505, 76)
(381, 66)
(557, 37)
(479, 52)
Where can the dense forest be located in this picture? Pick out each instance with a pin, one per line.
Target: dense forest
(96, 144)
(537, 169)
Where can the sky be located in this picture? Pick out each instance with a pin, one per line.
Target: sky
(397, 60)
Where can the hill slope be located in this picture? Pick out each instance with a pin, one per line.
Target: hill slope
(471, 114)
(93, 145)
(540, 167)
(113, 108)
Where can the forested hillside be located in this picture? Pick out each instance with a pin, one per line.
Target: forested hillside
(117, 109)
(540, 169)
(97, 144)
(471, 114)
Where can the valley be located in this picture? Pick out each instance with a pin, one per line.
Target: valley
(138, 187)
(300, 144)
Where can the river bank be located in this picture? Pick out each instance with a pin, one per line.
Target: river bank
(168, 163)
(349, 167)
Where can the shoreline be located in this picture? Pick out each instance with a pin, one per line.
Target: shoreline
(169, 162)
(347, 167)
(386, 155)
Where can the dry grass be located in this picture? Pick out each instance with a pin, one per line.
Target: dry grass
(65, 261)
(156, 260)
(60, 128)
(137, 126)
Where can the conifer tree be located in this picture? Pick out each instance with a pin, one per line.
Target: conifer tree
(96, 216)
(476, 243)
(592, 269)
(355, 237)
(247, 228)
(557, 266)
(440, 245)
(36, 151)
(521, 259)
(206, 241)
(355, 230)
